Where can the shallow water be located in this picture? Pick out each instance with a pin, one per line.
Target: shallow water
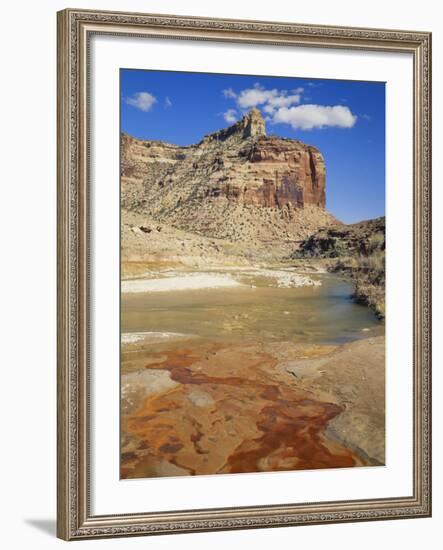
(317, 314)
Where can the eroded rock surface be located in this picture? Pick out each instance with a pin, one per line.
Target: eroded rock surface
(245, 407)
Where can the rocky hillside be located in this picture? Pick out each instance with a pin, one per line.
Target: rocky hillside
(237, 184)
(357, 250)
(361, 238)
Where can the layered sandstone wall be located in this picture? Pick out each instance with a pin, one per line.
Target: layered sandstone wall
(277, 173)
(223, 177)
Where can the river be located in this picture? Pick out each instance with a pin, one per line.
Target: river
(258, 308)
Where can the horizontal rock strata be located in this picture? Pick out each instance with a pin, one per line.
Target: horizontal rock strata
(237, 183)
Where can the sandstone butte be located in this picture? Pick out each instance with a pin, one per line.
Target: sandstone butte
(237, 183)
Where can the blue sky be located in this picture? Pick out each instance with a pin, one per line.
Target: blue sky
(344, 119)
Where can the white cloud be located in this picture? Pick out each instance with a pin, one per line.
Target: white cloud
(278, 101)
(269, 109)
(282, 107)
(269, 100)
(230, 116)
(168, 102)
(229, 93)
(308, 117)
(142, 100)
(251, 97)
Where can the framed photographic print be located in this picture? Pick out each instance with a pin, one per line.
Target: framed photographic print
(243, 274)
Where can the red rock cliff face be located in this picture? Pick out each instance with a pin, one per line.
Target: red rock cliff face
(277, 173)
(269, 171)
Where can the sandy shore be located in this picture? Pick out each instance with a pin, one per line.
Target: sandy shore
(167, 284)
(204, 407)
(171, 281)
(150, 337)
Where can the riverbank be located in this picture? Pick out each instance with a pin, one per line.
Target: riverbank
(203, 406)
(170, 280)
(357, 251)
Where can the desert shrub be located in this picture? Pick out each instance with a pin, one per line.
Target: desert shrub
(357, 251)
(376, 242)
(338, 248)
(369, 281)
(322, 247)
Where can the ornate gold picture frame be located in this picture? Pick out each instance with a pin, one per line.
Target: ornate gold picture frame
(75, 31)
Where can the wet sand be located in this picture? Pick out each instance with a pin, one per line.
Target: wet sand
(207, 405)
